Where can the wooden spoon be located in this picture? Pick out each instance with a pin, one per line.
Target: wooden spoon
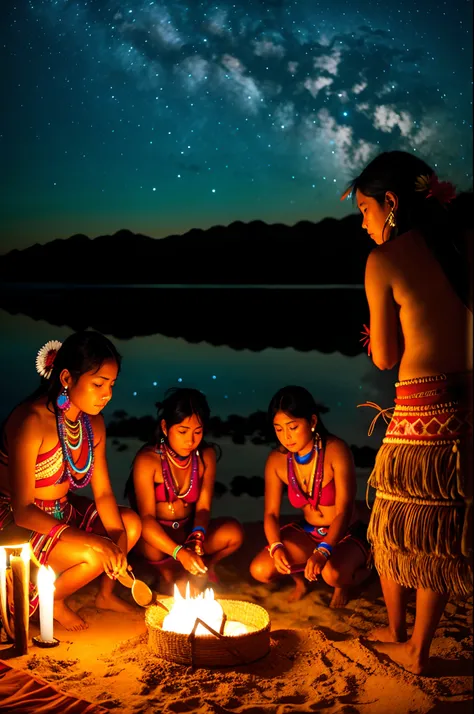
(141, 593)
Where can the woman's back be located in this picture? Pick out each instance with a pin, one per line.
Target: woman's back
(437, 327)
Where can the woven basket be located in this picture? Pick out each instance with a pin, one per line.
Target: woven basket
(219, 650)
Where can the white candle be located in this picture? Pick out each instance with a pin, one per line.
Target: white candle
(46, 602)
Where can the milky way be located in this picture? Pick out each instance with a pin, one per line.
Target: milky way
(163, 116)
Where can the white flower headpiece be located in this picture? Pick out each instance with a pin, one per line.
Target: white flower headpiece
(45, 358)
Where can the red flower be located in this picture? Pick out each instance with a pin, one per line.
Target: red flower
(443, 191)
(365, 339)
(50, 357)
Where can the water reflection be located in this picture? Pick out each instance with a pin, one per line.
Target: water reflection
(237, 346)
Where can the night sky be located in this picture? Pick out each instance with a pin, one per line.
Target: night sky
(163, 116)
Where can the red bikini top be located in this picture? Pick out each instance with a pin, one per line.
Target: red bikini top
(325, 496)
(166, 492)
(50, 467)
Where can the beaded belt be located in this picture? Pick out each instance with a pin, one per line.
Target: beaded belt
(54, 507)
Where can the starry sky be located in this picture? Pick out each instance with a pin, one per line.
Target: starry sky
(159, 116)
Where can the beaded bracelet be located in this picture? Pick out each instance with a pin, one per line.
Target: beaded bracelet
(325, 553)
(326, 546)
(199, 528)
(274, 547)
(176, 551)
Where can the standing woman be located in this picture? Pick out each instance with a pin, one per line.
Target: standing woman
(53, 442)
(318, 469)
(171, 487)
(420, 300)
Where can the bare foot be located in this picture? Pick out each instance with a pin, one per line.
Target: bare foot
(67, 617)
(300, 590)
(403, 653)
(385, 634)
(112, 602)
(340, 598)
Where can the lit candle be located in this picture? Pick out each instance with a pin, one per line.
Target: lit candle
(46, 602)
(20, 566)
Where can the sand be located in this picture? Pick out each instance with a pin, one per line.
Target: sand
(318, 659)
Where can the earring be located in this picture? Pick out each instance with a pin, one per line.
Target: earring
(312, 428)
(63, 402)
(391, 219)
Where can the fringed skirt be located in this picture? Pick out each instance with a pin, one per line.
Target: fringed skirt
(421, 522)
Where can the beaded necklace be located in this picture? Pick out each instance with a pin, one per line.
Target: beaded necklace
(171, 485)
(314, 486)
(179, 461)
(306, 458)
(74, 433)
(69, 465)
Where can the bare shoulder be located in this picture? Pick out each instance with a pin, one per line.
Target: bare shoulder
(338, 450)
(389, 254)
(209, 456)
(31, 417)
(147, 459)
(380, 259)
(276, 460)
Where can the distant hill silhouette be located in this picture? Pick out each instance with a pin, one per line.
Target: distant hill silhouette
(331, 251)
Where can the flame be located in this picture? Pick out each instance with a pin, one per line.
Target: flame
(185, 610)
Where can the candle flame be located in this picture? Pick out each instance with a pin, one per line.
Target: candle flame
(25, 553)
(46, 578)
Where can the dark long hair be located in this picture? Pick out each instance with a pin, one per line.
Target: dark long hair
(299, 403)
(443, 226)
(81, 352)
(179, 404)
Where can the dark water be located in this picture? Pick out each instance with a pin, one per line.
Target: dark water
(238, 345)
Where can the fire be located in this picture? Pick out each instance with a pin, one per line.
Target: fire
(182, 615)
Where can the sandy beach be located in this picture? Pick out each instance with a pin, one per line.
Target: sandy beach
(318, 659)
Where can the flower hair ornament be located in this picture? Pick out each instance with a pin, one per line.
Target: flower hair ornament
(45, 358)
(443, 191)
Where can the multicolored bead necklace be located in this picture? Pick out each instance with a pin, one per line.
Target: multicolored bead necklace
(171, 485)
(314, 486)
(74, 433)
(70, 467)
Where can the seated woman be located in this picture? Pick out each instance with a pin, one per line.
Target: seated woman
(171, 488)
(319, 471)
(52, 442)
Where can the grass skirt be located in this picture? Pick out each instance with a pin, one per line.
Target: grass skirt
(421, 522)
